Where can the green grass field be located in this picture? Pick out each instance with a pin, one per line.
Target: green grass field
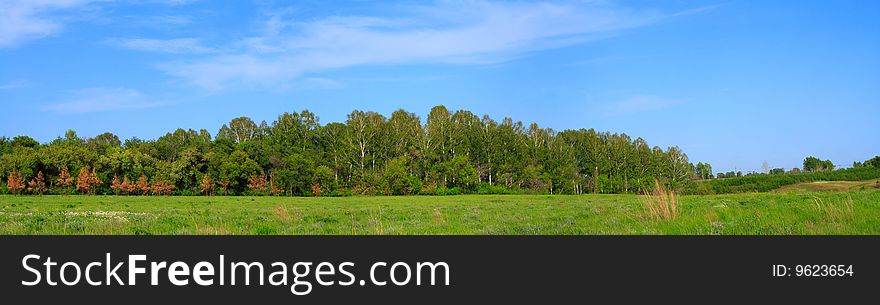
(853, 212)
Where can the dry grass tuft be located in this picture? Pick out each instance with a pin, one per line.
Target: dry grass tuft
(835, 211)
(376, 225)
(659, 203)
(438, 217)
(284, 214)
(711, 216)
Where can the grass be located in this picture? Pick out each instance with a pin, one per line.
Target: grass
(659, 203)
(852, 212)
(837, 186)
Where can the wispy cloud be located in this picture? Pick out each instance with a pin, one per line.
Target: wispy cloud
(173, 46)
(170, 19)
(163, 22)
(24, 20)
(641, 103)
(102, 99)
(702, 9)
(12, 85)
(453, 32)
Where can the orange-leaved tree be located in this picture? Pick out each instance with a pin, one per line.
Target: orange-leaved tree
(38, 184)
(257, 182)
(116, 185)
(316, 189)
(161, 187)
(127, 186)
(207, 185)
(64, 179)
(223, 185)
(83, 183)
(15, 183)
(87, 181)
(94, 180)
(142, 185)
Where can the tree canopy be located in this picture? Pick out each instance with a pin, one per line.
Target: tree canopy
(813, 164)
(450, 152)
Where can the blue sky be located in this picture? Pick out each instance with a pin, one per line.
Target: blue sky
(733, 83)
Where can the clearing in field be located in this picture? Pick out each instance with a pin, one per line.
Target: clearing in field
(852, 212)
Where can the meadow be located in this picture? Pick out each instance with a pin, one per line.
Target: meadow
(801, 212)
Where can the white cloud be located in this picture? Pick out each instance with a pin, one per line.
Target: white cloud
(102, 99)
(24, 20)
(642, 103)
(174, 46)
(455, 32)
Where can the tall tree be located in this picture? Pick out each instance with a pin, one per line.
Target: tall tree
(239, 130)
(365, 128)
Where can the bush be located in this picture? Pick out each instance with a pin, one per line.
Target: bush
(339, 193)
(415, 185)
(449, 191)
(487, 189)
(443, 191)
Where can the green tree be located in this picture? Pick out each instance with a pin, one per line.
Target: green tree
(239, 130)
(395, 178)
(813, 164)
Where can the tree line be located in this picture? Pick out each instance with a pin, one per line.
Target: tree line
(368, 154)
(810, 165)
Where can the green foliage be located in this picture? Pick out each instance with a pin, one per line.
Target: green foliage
(764, 183)
(395, 178)
(414, 186)
(703, 170)
(873, 162)
(24, 141)
(452, 152)
(323, 177)
(488, 189)
(813, 164)
(442, 191)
